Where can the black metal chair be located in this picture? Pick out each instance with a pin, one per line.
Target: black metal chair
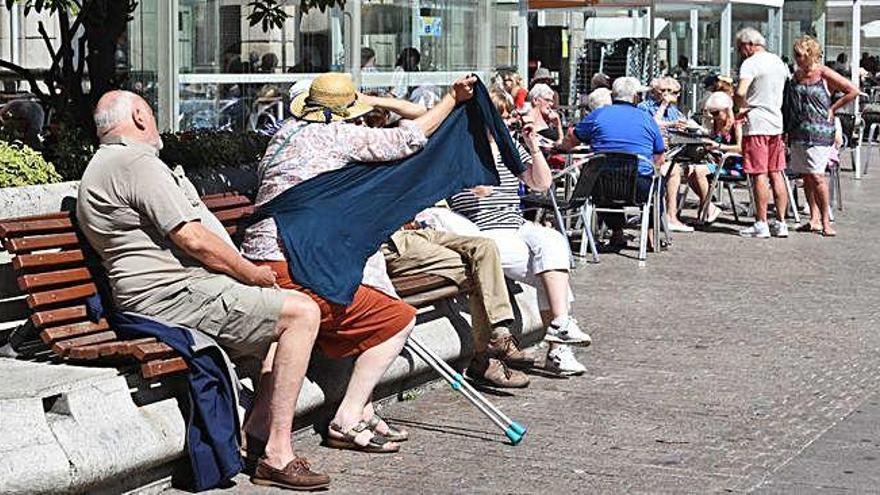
(575, 205)
(616, 190)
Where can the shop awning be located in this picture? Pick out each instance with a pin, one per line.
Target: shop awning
(573, 4)
(871, 29)
(613, 28)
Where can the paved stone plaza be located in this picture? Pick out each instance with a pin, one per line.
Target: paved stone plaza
(724, 365)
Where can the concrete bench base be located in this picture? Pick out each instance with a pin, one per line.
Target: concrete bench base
(80, 429)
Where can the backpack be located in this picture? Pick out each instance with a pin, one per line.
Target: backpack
(790, 107)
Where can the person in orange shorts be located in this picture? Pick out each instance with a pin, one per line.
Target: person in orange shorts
(327, 134)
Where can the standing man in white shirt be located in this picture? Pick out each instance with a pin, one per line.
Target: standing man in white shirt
(762, 78)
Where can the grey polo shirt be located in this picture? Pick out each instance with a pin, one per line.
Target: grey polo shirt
(129, 201)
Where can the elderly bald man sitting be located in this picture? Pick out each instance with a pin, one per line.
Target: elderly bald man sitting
(169, 258)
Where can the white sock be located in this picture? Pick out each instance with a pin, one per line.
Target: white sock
(559, 321)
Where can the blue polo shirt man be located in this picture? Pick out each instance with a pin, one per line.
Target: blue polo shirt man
(623, 127)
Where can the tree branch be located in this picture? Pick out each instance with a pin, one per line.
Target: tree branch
(28, 76)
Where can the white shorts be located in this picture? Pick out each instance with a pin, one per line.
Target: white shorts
(810, 159)
(529, 251)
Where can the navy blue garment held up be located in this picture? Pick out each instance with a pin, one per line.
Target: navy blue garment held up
(331, 223)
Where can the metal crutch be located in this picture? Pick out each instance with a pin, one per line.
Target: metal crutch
(513, 430)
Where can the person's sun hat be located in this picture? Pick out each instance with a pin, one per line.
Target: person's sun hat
(331, 98)
(542, 74)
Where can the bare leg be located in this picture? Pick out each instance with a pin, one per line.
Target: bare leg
(557, 287)
(810, 193)
(822, 203)
(368, 369)
(672, 183)
(762, 196)
(699, 182)
(283, 373)
(780, 195)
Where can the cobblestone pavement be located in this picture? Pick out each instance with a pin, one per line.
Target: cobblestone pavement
(718, 367)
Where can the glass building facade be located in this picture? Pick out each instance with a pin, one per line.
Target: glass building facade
(203, 65)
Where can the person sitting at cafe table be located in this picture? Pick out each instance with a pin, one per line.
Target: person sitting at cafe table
(725, 136)
(661, 104)
(547, 121)
(622, 127)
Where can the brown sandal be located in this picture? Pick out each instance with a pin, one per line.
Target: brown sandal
(376, 445)
(393, 435)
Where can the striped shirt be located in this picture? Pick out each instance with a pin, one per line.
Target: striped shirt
(499, 209)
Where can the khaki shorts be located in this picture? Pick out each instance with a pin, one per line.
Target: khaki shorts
(241, 318)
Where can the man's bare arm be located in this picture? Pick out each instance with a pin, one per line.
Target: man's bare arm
(742, 90)
(213, 252)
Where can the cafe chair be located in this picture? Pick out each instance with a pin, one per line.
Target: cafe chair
(723, 179)
(573, 210)
(616, 191)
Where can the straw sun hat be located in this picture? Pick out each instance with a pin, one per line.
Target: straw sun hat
(331, 98)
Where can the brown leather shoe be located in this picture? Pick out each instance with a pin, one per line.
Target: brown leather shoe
(297, 475)
(505, 349)
(495, 373)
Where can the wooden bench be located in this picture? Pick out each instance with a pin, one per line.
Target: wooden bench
(52, 270)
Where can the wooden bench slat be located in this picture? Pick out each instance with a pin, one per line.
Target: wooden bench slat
(57, 277)
(95, 351)
(226, 202)
(220, 195)
(412, 284)
(149, 352)
(35, 226)
(40, 260)
(41, 216)
(130, 345)
(233, 215)
(43, 319)
(39, 299)
(63, 346)
(429, 297)
(162, 367)
(52, 334)
(34, 243)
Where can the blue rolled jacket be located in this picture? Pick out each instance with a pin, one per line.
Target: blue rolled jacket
(330, 224)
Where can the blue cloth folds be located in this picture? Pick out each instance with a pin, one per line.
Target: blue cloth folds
(331, 223)
(212, 433)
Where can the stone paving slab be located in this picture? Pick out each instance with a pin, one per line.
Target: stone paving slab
(720, 367)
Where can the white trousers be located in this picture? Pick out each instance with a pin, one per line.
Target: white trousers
(529, 251)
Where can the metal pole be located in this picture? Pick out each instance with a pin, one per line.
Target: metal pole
(169, 101)
(652, 59)
(856, 48)
(522, 42)
(695, 37)
(695, 57)
(14, 35)
(726, 38)
(355, 48)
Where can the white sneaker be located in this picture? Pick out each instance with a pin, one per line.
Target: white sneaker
(680, 227)
(561, 361)
(759, 230)
(779, 229)
(565, 330)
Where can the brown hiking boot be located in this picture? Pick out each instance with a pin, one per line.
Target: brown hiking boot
(505, 349)
(297, 475)
(495, 373)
